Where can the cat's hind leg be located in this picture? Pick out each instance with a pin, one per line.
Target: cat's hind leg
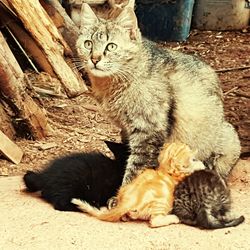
(227, 150)
(64, 204)
(205, 219)
(163, 220)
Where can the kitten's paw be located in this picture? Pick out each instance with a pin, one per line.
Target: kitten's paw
(163, 220)
(77, 202)
(133, 214)
(125, 218)
(112, 202)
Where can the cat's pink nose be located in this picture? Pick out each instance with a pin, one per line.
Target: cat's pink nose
(95, 60)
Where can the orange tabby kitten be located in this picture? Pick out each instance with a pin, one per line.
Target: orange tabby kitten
(150, 195)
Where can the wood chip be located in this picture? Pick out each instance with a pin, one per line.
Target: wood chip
(10, 149)
(45, 146)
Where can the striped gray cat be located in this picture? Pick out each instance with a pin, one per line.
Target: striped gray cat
(154, 95)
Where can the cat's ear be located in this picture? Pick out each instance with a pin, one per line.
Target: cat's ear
(119, 150)
(114, 147)
(88, 17)
(127, 19)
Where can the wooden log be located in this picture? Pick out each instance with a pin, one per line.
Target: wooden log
(10, 149)
(28, 12)
(57, 13)
(43, 30)
(5, 123)
(11, 87)
(27, 42)
(53, 13)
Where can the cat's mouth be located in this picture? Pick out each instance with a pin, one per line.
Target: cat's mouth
(96, 68)
(96, 71)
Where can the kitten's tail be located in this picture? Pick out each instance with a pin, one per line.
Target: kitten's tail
(210, 222)
(234, 222)
(112, 215)
(33, 181)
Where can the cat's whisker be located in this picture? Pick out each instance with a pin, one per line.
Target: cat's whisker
(79, 65)
(80, 68)
(76, 60)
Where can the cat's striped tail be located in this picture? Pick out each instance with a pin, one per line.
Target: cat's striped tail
(210, 222)
(112, 215)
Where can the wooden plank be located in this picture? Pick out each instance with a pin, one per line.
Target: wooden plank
(68, 29)
(10, 149)
(43, 30)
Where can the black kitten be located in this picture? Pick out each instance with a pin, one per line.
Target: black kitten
(203, 199)
(92, 177)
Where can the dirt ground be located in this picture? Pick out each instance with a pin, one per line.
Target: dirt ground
(28, 223)
(78, 125)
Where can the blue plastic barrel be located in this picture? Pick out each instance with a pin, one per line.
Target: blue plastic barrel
(165, 20)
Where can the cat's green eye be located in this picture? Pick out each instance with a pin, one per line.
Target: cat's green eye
(111, 47)
(88, 44)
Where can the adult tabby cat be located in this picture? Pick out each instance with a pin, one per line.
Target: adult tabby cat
(203, 200)
(150, 195)
(153, 94)
(89, 176)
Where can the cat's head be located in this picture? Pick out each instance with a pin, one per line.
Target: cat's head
(106, 46)
(178, 160)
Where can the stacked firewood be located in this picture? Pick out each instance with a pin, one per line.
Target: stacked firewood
(34, 27)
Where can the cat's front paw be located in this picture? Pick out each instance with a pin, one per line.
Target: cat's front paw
(125, 218)
(163, 220)
(77, 202)
(112, 202)
(128, 176)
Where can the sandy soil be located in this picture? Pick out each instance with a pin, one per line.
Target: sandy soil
(27, 222)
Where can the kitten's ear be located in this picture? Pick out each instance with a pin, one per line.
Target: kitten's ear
(119, 150)
(114, 147)
(88, 17)
(127, 19)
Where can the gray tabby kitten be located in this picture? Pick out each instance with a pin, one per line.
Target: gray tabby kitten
(154, 95)
(203, 199)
